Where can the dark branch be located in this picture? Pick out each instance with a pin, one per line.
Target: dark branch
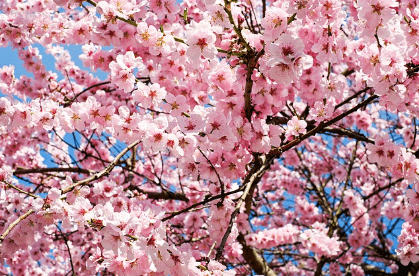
(46, 170)
(160, 195)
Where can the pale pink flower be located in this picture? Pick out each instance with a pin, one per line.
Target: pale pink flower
(201, 42)
(243, 128)
(274, 23)
(147, 35)
(295, 127)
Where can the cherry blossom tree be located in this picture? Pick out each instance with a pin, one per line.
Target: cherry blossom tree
(245, 137)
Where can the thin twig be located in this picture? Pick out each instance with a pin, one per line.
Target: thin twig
(373, 193)
(200, 203)
(352, 97)
(219, 178)
(71, 85)
(278, 151)
(20, 190)
(104, 172)
(83, 91)
(68, 248)
(212, 248)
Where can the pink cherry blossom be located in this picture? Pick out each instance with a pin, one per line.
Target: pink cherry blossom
(275, 22)
(201, 42)
(296, 127)
(163, 137)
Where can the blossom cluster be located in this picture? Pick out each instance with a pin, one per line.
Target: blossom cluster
(225, 137)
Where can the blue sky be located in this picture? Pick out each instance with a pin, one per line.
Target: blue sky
(9, 56)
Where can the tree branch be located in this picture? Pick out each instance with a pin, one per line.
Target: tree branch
(200, 203)
(352, 97)
(382, 189)
(13, 225)
(374, 271)
(20, 190)
(68, 249)
(248, 108)
(278, 151)
(254, 259)
(219, 178)
(348, 133)
(160, 195)
(104, 172)
(251, 181)
(68, 103)
(45, 170)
